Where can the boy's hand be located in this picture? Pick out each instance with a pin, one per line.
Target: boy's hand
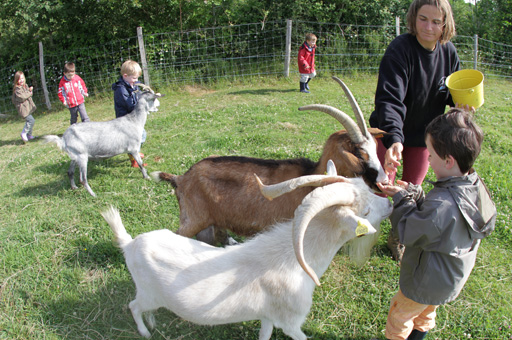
(31, 88)
(391, 190)
(86, 94)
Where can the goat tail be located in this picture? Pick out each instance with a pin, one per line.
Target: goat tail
(116, 224)
(159, 176)
(55, 139)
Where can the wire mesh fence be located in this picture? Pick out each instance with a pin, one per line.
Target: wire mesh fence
(234, 52)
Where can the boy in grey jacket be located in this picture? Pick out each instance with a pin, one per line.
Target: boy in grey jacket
(442, 230)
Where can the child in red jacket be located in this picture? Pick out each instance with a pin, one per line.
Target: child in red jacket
(72, 91)
(306, 62)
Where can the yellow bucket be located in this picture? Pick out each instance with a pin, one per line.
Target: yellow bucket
(467, 87)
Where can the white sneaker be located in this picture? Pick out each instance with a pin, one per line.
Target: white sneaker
(24, 136)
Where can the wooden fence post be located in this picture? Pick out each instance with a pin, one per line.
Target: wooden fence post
(475, 52)
(43, 77)
(288, 48)
(142, 51)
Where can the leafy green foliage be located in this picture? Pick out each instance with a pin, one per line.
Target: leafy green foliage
(68, 25)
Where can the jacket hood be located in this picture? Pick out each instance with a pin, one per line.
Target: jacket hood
(474, 202)
(119, 82)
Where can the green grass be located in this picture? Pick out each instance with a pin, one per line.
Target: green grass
(62, 278)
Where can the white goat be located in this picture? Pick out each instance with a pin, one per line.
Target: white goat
(261, 279)
(100, 140)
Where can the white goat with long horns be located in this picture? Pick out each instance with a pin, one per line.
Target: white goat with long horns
(261, 279)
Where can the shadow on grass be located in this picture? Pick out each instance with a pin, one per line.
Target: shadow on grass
(11, 142)
(94, 168)
(262, 91)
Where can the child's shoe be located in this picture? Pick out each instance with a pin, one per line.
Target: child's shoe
(135, 165)
(134, 162)
(24, 136)
(303, 88)
(30, 137)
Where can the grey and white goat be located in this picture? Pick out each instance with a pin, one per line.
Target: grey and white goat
(220, 191)
(271, 277)
(100, 140)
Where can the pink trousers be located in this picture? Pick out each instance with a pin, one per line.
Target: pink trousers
(414, 162)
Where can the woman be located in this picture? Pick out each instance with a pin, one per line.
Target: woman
(411, 89)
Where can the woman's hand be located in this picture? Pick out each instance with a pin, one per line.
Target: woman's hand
(465, 107)
(392, 157)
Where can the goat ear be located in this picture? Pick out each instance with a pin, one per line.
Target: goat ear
(331, 168)
(377, 133)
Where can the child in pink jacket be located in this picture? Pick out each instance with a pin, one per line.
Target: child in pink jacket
(72, 91)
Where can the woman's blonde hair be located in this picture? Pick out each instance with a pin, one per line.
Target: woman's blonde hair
(443, 6)
(131, 68)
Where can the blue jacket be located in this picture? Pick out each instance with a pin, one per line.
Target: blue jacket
(125, 97)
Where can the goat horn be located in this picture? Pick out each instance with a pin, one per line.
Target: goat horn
(355, 107)
(275, 190)
(313, 203)
(144, 87)
(353, 130)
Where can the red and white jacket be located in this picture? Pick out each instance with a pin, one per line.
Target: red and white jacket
(72, 92)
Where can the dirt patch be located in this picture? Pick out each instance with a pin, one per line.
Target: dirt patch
(197, 90)
(288, 126)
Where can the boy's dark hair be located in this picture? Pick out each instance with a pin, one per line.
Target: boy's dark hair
(455, 134)
(69, 67)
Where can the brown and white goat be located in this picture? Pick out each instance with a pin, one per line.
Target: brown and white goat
(221, 192)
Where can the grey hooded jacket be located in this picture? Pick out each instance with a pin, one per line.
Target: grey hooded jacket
(441, 233)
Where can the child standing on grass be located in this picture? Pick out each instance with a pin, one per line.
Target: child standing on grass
(125, 96)
(72, 91)
(22, 100)
(442, 230)
(306, 62)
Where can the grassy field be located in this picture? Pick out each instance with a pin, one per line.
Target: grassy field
(61, 277)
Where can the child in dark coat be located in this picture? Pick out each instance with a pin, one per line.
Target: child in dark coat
(125, 95)
(442, 230)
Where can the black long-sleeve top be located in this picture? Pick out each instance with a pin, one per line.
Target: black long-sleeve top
(411, 89)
